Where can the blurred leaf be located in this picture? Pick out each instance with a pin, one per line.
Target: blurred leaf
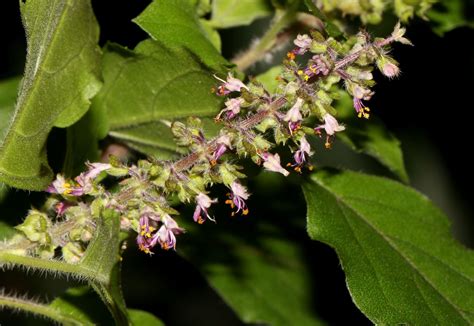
(371, 137)
(61, 76)
(6, 231)
(151, 85)
(448, 15)
(175, 24)
(402, 265)
(143, 318)
(231, 13)
(259, 273)
(330, 27)
(84, 305)
(268, 78)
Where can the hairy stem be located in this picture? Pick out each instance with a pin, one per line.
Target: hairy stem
(38, 309)
(281, 20)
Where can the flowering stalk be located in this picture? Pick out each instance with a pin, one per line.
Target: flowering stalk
(305, 93)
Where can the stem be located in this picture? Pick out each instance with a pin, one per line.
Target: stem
(38, 309)
(256, 52)
(245, 124)
(52, 266)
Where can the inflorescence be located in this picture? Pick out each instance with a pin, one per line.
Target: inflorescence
(254, 121)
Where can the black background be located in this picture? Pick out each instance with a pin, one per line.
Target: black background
(429, 107)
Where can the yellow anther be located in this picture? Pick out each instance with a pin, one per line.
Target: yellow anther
(306, 77)
(327, 145)
(213, 162)
(300, 72)
(298, 169)
(245, 211)
(142, 233)
(291, 55)
(310, 167)
(151, 228)
(200, 220)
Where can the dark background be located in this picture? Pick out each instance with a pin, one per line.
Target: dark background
(428, 107)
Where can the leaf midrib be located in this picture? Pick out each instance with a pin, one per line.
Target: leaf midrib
(340, 202)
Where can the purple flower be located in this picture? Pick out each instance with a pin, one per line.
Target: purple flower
(303, 41)
(61, 207)
(361, 109)
(149, 236)
(223, 143)
(166, 235)
(230, 85)
(331, 126)
(237, 198)
(303, 152)
(61, 186)
(85, 179)
(145, 238)
(272, 163)
(293, 116)
(232, 108)
(203, 202)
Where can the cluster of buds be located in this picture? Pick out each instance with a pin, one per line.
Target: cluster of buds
(371, 11)
(142, 198)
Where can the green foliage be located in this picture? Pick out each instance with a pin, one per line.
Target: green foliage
(139, 103)
(450, 14)
(61, 76)
(401, 263)
(230, 13)
(143, 318)
(8, 91)
(259, 272)
(175, 24)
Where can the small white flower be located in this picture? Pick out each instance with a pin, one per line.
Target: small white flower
(272, 163)
(294, 114)
(331, 125)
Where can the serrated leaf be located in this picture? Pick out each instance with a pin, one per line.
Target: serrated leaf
(231, 13)
(146, 89)
(176, 24)
(402, 265)
(143, 318)
(265, 280)
(449, 15)
(371, 137)
(61, 76)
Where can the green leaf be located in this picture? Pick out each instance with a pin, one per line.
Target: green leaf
(176, 24)
(83, 140)
(259, 273)
(61, 76)
(268, 78)
(6, 231)
(143, 318)
(449, 15)
(330, 27)
(146, 89)
(371, 137)
(402, 265)
(231, 13)
(8, 92)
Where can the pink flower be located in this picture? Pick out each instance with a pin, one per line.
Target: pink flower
(293, 116)
(303, 41)
(331, 126)
(272, 163)
(232, 108)
(85, 179)
(203, 202)
(390, 70)
(303, 152)
(237, 198)
(230, 85)
(63, 187)
(166, 235)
